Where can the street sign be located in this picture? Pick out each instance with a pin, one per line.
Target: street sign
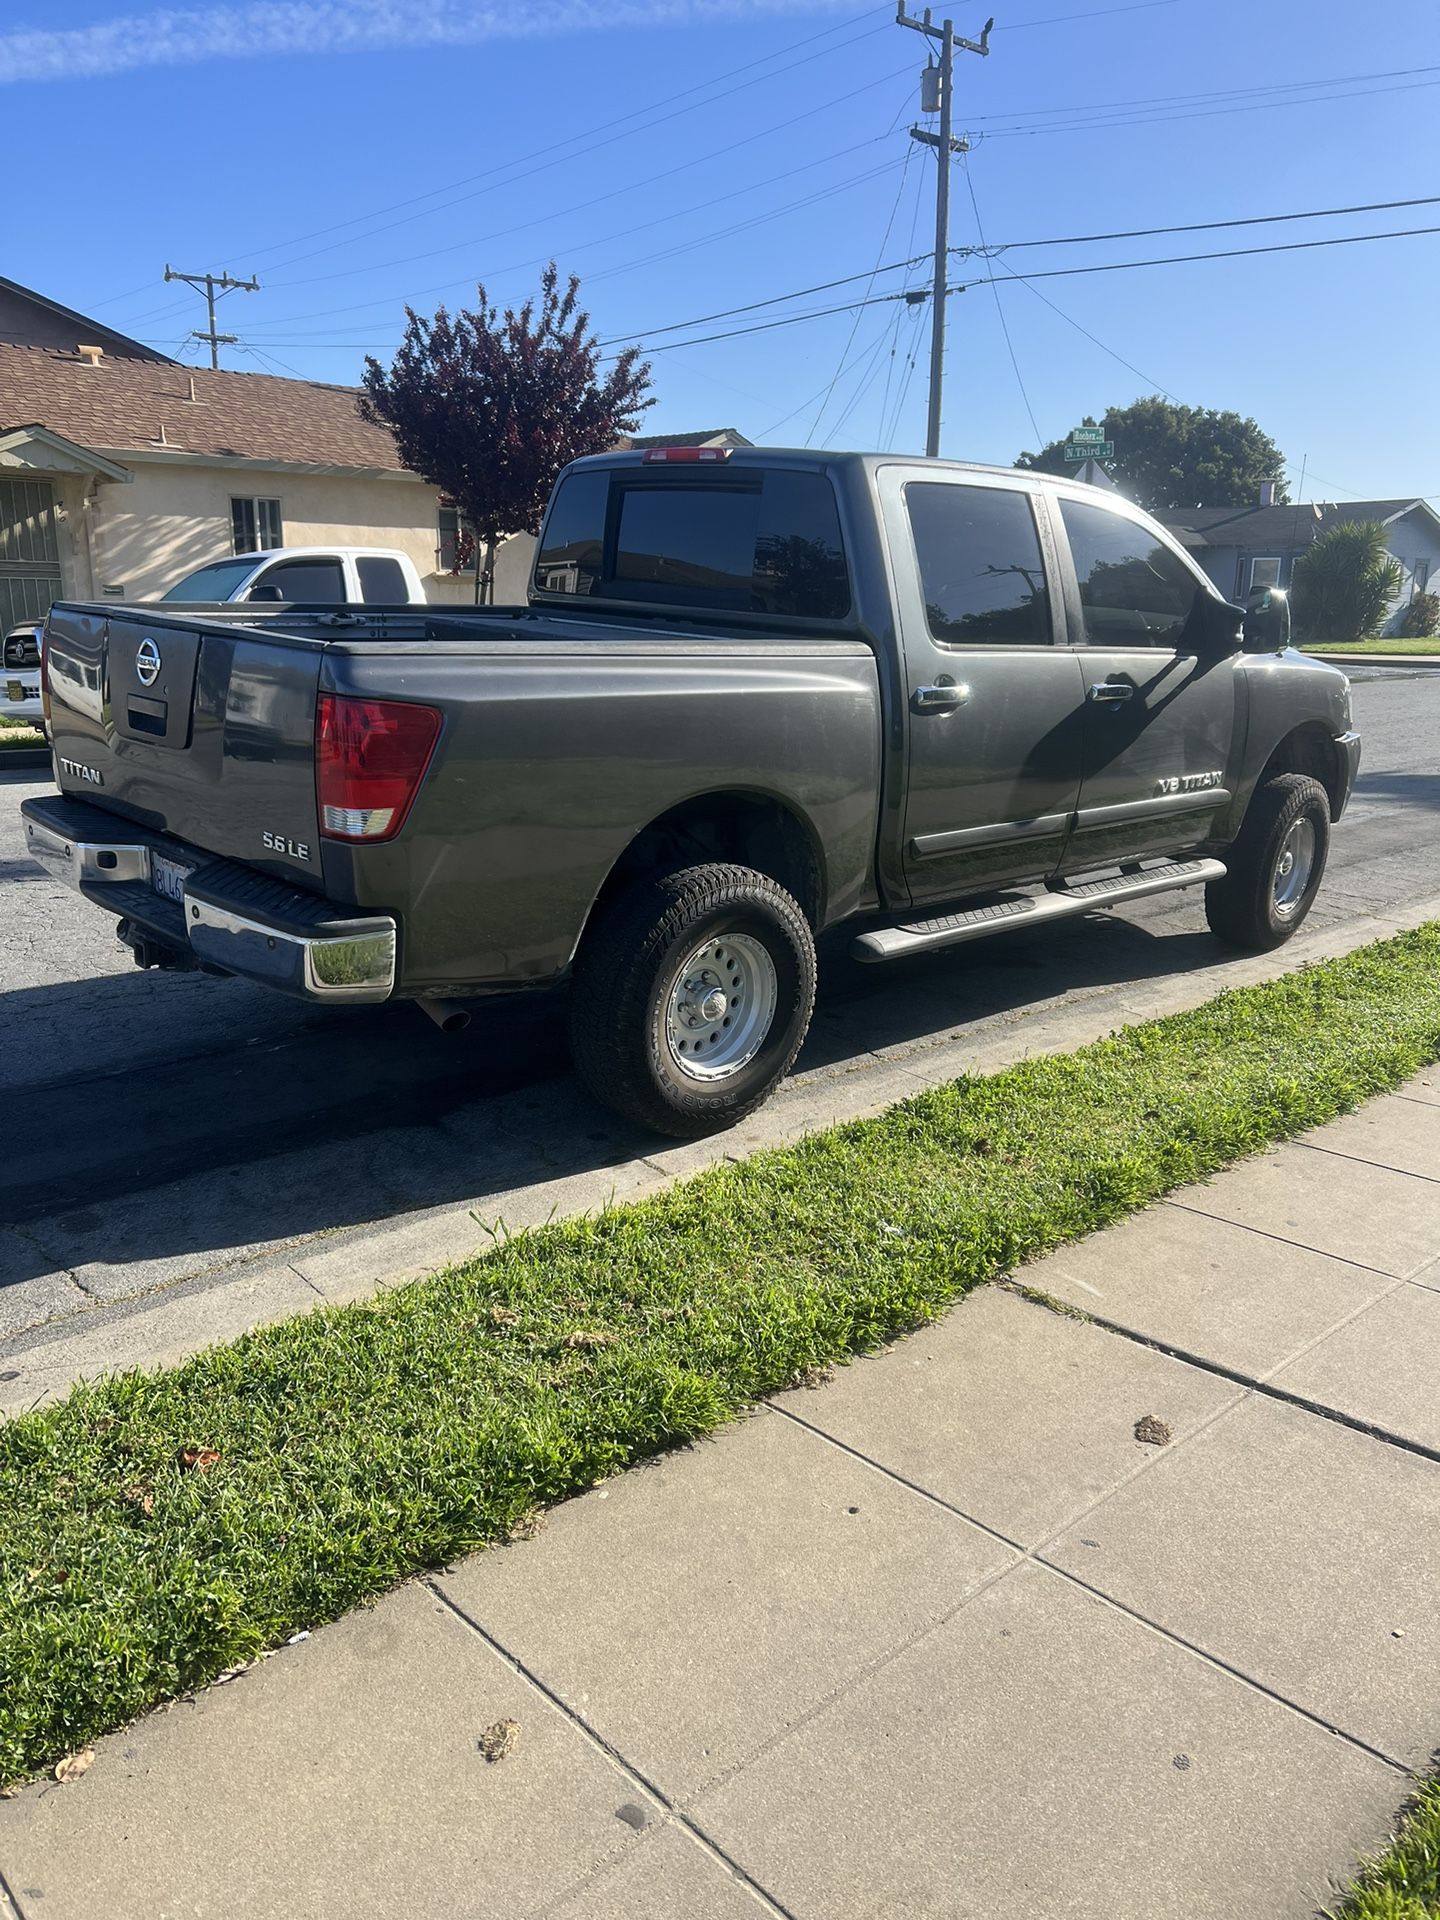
(1088, 436)
(1089, 450)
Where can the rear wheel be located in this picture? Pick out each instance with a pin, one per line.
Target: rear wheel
(692, 994)
(1274, 867)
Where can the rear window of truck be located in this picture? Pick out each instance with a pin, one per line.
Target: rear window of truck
(766, 540)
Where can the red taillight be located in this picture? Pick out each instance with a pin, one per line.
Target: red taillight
(679, 456)
(370, 757)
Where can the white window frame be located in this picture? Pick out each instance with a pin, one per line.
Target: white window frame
(258, 506)
(449, 508)
(1262, 560)
(1419, 578)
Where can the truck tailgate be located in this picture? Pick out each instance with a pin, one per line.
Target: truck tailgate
(196, 729)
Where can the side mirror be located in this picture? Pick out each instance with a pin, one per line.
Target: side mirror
(269, 593)
(1267, 621)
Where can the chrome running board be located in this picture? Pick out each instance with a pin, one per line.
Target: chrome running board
(1063, 901)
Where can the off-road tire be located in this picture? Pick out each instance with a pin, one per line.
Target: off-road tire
(628, 967)
(1242, 908)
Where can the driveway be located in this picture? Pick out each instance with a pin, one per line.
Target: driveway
(170, 1132)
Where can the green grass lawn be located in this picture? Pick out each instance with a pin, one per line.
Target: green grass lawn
(14, 735)
(1403, 1883)
(156, 1529)
(1375, 645)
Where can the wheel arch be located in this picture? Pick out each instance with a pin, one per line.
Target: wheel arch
(745, 827)
(1309, 749)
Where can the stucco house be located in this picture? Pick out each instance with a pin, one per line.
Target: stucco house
(121, 470)
(1242, 548)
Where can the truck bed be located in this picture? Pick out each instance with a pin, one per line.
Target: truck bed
(562, 738)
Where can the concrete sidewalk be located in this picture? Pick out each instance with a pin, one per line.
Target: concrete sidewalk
(942, 1637)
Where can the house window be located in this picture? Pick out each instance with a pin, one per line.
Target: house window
(255, 526)
(1264, 572)
(452, 525)
(1420, 576)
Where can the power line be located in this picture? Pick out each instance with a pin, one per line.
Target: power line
(1167, 117)
(556, 154)
(874, 274)
(633, 186)
(1070, 320)
(1000, 311)
(1211, 226)
(1009, 246)
(1224, 253)
(915, 295)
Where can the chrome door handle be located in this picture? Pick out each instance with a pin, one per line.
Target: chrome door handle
(939, 698)
(1110, 690)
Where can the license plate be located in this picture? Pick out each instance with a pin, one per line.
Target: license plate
(168, 877)
(16, 689)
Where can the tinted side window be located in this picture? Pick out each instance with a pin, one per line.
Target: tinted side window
(981, 572)
(382, 581)
(301, 580)
(755, 542)
(573, 552)
(1134, 592)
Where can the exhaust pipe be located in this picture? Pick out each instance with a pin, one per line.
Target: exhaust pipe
(447, 1016)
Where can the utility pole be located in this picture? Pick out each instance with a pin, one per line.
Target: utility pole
(208, 283)
(945, 146)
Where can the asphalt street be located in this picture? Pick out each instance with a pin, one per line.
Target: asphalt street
(161, 1128)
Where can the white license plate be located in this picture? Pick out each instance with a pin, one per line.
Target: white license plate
(168, 877)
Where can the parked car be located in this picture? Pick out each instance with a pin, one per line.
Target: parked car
(310, 576)
(20, 673)
(754, 695)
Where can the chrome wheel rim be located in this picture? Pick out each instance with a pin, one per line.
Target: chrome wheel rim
(720, 1006)
(1294, 867)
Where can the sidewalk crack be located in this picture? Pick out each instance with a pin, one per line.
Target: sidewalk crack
(614, 1756)
(7, 1894)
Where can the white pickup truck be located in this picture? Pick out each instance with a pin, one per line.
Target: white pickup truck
(306, 576)
(20, 679)
(298, 576)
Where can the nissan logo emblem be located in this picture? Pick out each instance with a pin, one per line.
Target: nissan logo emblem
(147, 663)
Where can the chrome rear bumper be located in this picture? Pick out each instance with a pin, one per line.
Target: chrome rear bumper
(227, 916)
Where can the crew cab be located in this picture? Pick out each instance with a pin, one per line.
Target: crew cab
(754, 695)
(312, 576)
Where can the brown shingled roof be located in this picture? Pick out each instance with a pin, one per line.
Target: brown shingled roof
(123, 404)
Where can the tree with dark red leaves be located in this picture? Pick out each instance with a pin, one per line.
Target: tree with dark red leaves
(489, 407)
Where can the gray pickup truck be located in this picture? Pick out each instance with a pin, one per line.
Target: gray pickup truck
(754, 694)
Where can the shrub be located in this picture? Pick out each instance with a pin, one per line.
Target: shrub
(1422, 617)
(1343, 585)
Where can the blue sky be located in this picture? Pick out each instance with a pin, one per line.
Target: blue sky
(688, 156)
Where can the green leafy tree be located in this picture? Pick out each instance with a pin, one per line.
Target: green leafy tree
(489, 406)
(1344, 583)
(1167, 455)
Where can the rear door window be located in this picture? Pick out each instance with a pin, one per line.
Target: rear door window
(982, 575)
(382, 581)
(1134, 592)
(318, 581)
(756, 541)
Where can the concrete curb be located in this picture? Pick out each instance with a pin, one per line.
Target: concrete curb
(1342, 659)
(155, 1330)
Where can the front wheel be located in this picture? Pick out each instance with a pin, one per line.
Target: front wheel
(691, 996)
(1275, 867)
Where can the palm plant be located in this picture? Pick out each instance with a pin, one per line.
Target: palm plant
(1344, 584)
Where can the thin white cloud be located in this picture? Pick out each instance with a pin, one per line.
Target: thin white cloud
(186, 36)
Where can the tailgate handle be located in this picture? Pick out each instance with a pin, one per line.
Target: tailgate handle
(148, 716)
